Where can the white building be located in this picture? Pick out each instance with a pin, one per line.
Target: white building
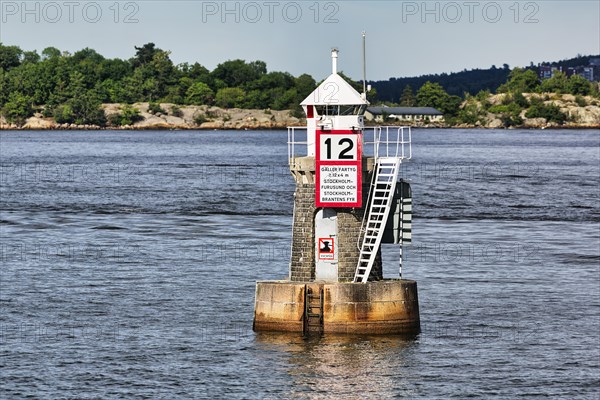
(379, 114)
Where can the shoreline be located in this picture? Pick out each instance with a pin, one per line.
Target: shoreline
(210, 118)
(483, 128)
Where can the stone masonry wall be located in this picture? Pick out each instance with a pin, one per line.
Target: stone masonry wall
(302, 264)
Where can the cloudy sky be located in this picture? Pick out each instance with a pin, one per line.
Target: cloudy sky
(404, 38)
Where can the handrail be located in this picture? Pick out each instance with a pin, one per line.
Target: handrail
(387, 141)
(292, 143)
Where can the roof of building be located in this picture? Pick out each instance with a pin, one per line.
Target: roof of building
(334, 91)
(404, 111)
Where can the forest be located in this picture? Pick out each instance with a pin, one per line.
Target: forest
(463, 82)
(72, 87)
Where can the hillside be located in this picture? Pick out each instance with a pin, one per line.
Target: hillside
(467, 81)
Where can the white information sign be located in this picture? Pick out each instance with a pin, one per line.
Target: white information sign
(338, 183)
(339, 169)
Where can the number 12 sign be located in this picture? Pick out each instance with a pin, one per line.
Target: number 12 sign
(339, 169)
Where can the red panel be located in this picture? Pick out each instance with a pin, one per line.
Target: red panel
(357, 163)
(310, 112)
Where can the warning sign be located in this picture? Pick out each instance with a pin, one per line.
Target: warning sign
(326, 249)
(338, 184)
(339, 169)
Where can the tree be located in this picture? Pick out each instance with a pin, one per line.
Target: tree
(50, 52)
(199, 93)
(305, 85)
(550, 112)
(408, 98)
(272, 80)
(128, 116)
(577, 84)
(235, 73)
(114, 69)
(230, 97)
(144, 54)
(63, 114)
(73, 86)
(509, 114)
(10, 57)
(86, 109)
(558, 83)
(31, 57)
(3, 88)
(434, 95)
(18, 108)
(520, 81)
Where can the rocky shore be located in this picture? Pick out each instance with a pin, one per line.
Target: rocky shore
(214, 118)
(581, 112)
(176, 117)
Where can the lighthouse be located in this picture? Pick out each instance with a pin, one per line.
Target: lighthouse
(349, 200)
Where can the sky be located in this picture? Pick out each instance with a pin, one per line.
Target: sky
(404, 38)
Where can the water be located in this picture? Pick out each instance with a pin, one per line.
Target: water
(129, 261)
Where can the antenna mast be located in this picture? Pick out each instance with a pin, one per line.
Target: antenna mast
(364, 48)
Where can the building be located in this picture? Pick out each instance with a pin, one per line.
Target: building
(590, 72)
(547, 71)
(343, 204)
(380, 114)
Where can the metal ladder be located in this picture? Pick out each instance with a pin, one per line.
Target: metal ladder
(382, 192)
(313, 311)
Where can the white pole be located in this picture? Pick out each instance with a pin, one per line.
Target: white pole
(401, 230)
(400, 270)
(334, 57)
(364, 37)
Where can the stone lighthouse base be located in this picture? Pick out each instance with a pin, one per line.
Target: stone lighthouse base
(379, 307)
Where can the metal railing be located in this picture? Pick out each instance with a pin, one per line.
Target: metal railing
(378, 141)
(293, 142)
(388, 141)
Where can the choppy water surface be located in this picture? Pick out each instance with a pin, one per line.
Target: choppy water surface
(129, 261)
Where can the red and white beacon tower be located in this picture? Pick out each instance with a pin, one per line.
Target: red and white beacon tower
(346, 204)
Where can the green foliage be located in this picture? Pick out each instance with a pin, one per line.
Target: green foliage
(579, 85)
(470, 113)
(520, 100)
(408, 98)
(50, 53)
(58, 78)
(520, 81)
(18, 108)
(433, 95)
(483, 95)
(304, 84)
(236, 73)
(296, 112)
(199, 93)
(10, 56)
(456, 83)
(509, 114)
(176, 111)
(550, 112)
(128, 116)
(558, 83)
(30, 57)
(285, 100)
(64, 114)
(155, 108)
(581, 102)
(200, 118)
(230, 98)
(86, 108)
(144, 54)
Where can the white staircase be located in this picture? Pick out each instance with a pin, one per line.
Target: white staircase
(382, 192)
